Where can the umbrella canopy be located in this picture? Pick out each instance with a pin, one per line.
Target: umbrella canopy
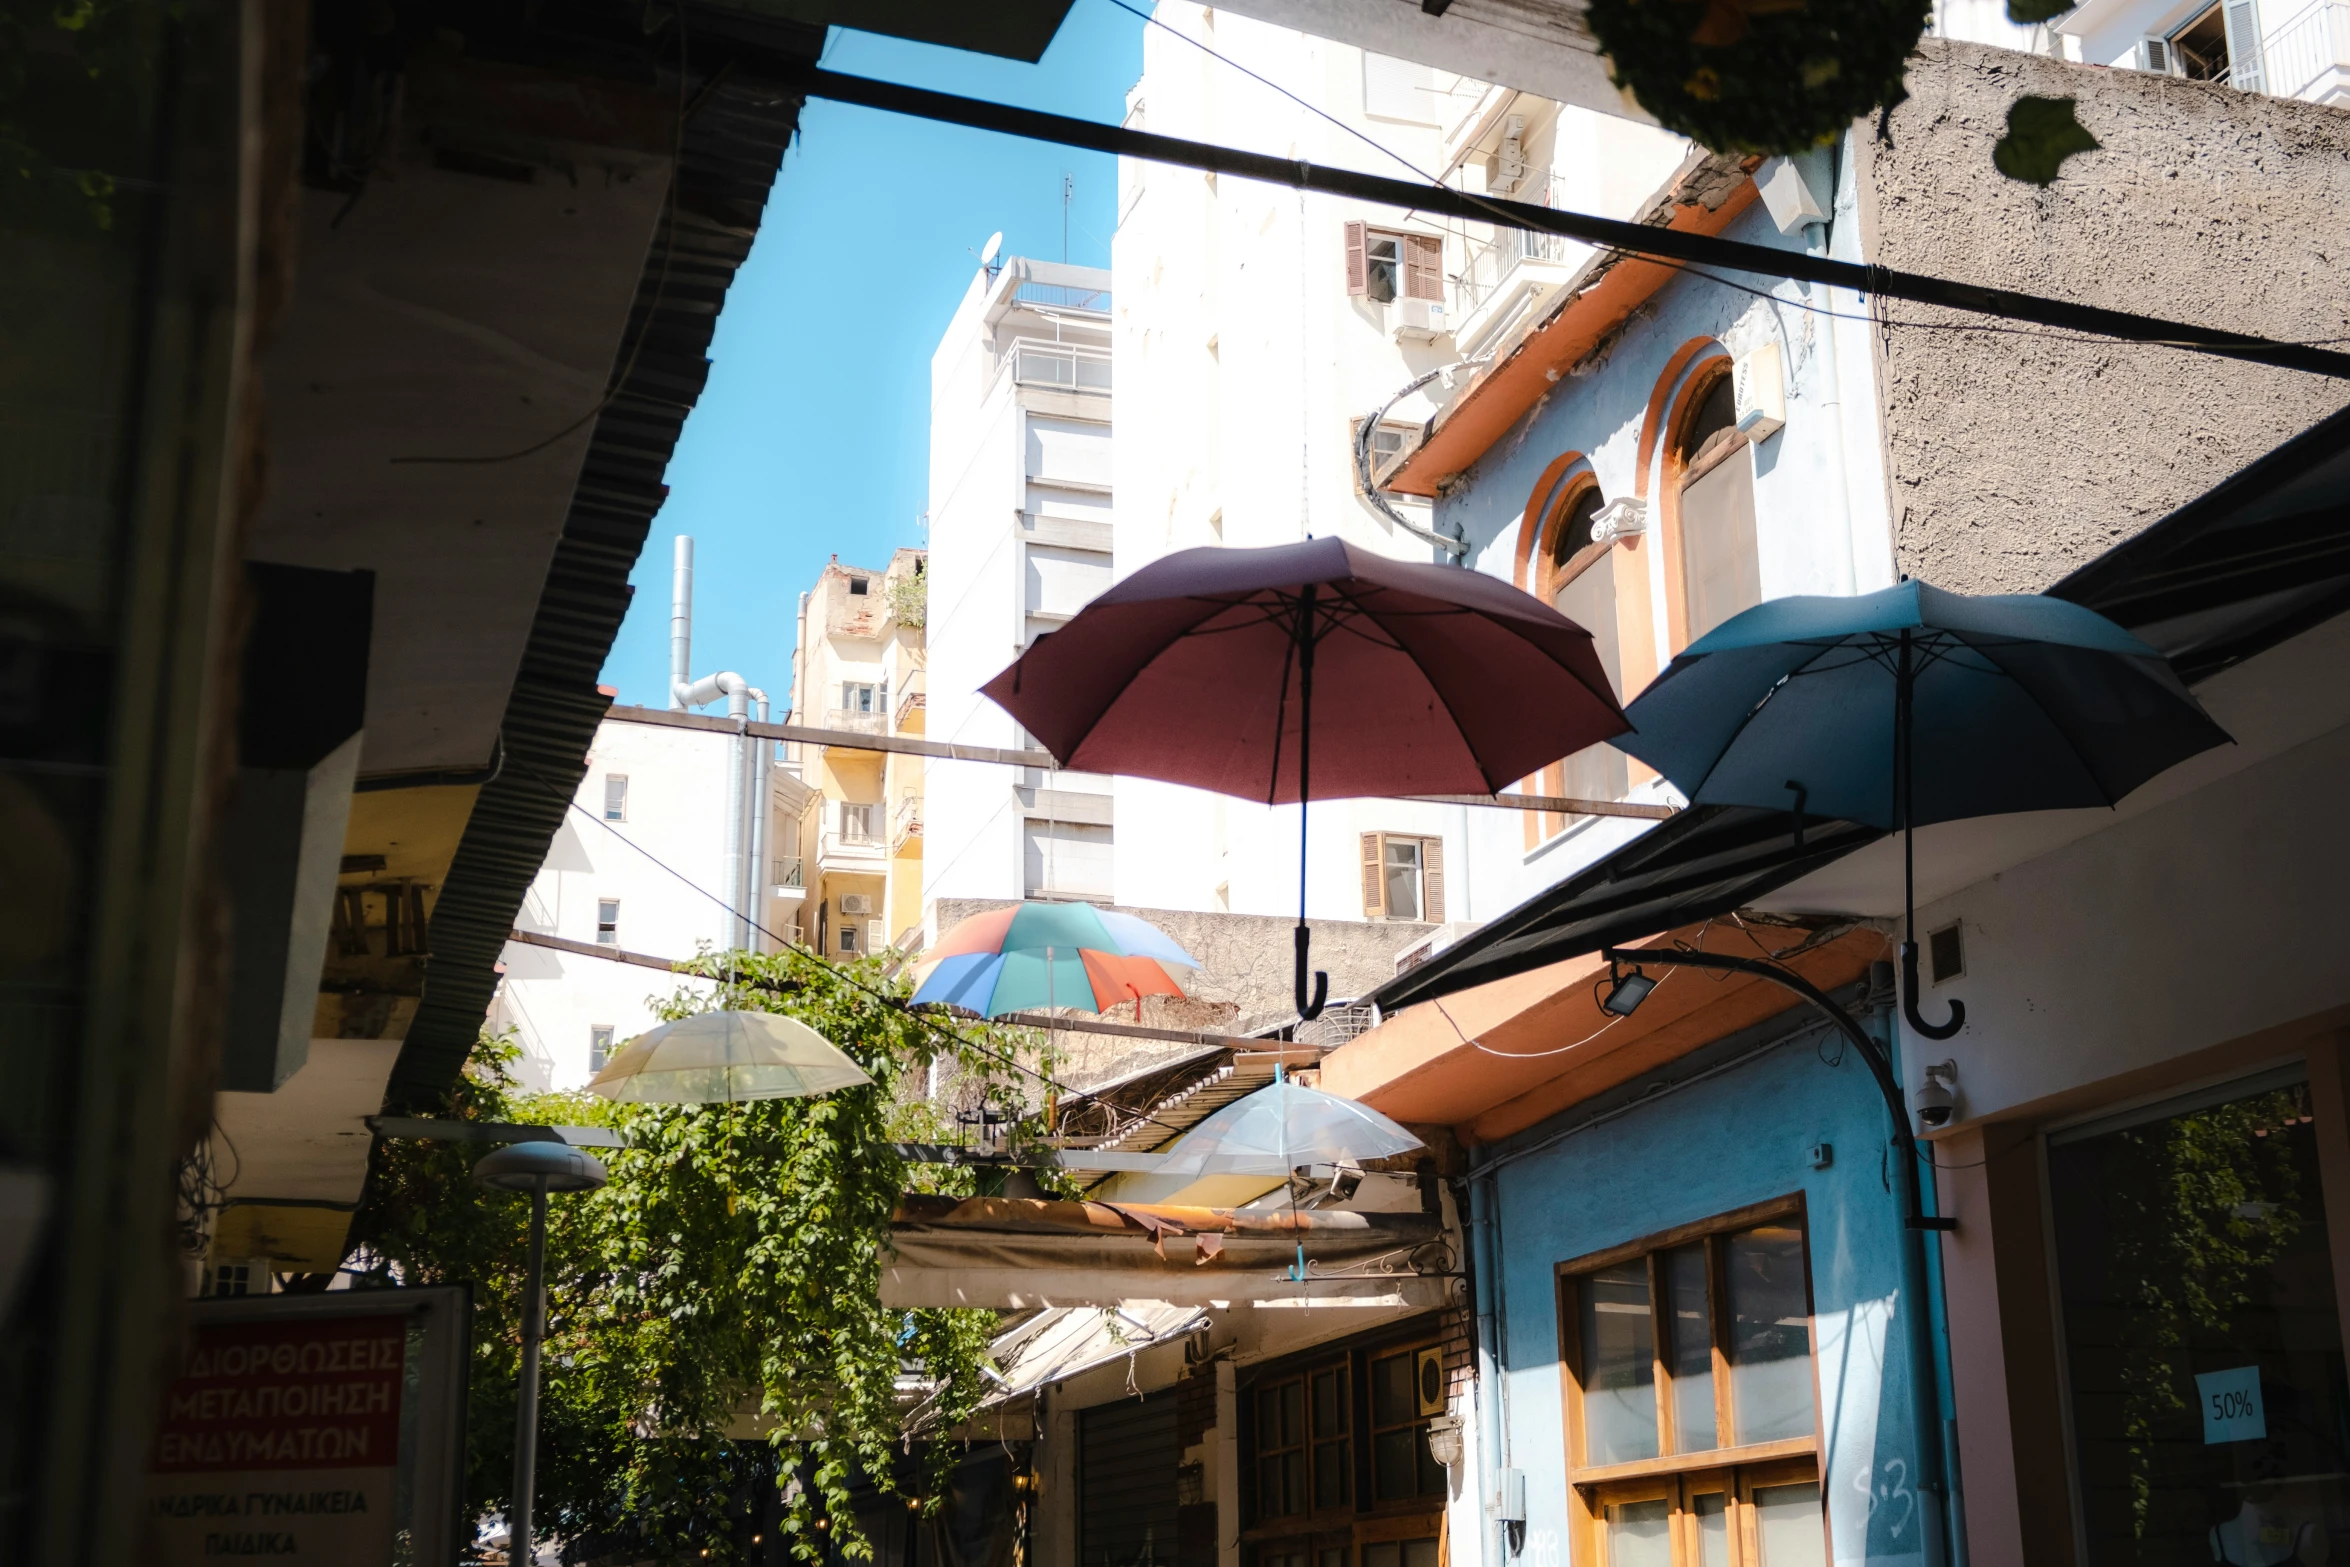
(1313, 671)
(1424, 679)
(726, 1058)
(1035, 955)
(1282, 1126)
(2016, 703)
(1911, 706)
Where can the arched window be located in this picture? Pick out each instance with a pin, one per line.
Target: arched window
(1721, 570)
(1583, 587)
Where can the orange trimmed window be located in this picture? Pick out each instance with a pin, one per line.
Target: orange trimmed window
(1582, 579)
(1711, 479)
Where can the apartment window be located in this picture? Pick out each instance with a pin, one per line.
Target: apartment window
(860, 696)
(229, 1278)
(616, 797)
(1690, 1365)
(1403, 878)
(2202, 1336)
(848, 939)
(2219, 45)
(857, 822)
(860, 586)
(1721, 569)
(608, 922)
(599, 1046)
(1386, 264)
(1583, 588)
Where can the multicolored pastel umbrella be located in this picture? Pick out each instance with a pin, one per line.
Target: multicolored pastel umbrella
(1043, 955)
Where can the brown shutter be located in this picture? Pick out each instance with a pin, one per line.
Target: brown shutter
(1423, 266)
(1432, 880)
(1374, 867)
(1358, 268)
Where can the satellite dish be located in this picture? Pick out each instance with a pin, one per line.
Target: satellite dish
(987, 253)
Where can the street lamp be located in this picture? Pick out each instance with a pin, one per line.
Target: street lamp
(536, 1168)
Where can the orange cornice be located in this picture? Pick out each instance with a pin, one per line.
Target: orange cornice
(1499, 1058)
(1499, 396)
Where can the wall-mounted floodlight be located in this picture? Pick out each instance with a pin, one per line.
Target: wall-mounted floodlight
(1625, 991)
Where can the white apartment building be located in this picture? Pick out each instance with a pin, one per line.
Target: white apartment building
(1257, 329)
(647, 866)
(1020, 539)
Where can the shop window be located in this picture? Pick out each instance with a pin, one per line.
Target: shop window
(1691, 1415)
(1337, 1463)
(2202, 1337)
(1402, 1468)
(1721, 568)
(1583, 588)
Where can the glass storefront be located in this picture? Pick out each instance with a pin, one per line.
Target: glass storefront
(2209, 1405)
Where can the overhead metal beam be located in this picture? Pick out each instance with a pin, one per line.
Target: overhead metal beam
(945, 750)
(1639, 239)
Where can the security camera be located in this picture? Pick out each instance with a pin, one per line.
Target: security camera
(1936, 1099)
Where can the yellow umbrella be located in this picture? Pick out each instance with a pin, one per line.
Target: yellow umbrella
(726, 1058)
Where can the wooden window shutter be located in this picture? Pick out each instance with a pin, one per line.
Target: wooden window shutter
(1432, 880)
(1423, 266)
(1358, 267)
(1374, 869)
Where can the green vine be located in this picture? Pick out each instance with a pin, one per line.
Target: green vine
(728, 1276)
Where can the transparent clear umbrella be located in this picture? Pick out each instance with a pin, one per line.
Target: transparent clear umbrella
(1282, 1126)
(726, 1058)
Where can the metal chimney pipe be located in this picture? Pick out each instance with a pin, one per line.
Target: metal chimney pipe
(760, 803)
(681, 622)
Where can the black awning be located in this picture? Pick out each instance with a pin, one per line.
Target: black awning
(2257, 559)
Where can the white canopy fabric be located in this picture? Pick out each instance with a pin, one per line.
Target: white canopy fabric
(726, 1058)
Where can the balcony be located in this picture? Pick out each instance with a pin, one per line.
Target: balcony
(2309, 56)
(905, 823)
(1063, 366)
(1503, 278)
(852, 844)
(788, 879)
(856, 722)
(912, 699)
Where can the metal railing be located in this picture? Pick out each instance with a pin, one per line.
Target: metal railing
(1062, 296)
(1487, 264)
(1062, 365)
(2303, 51)
(790, 872)
(907, 820)
(856, 722)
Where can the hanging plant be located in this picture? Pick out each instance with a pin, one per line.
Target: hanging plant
(1759, 76)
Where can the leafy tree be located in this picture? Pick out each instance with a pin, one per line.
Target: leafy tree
(725, 1280)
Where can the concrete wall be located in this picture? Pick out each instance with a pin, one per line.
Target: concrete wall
(1738, 1138)
(2012, 458)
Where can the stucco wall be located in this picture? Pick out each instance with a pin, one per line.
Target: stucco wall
(2014, 458)
(1720, 1144)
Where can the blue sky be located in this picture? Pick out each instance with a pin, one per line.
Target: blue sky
(812, 437)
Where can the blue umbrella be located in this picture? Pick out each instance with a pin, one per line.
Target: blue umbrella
(1912, 706)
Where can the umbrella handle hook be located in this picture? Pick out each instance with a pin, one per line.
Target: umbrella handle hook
(1309, 1008)
(1909, 1000)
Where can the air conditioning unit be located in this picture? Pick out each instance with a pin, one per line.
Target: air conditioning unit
(856, 903)
(1421, 320)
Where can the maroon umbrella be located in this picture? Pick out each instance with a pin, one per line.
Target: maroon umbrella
(1313, 671)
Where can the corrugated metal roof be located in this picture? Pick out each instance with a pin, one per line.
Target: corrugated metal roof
(732, 147)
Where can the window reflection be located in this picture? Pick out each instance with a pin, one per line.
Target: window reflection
(1619, 1365)
(1770, 1334)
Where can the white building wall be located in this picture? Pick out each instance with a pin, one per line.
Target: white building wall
(1020, 472)
(1243, 363)
(676, 814)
